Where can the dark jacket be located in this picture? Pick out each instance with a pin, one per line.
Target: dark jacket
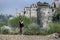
(21, 24)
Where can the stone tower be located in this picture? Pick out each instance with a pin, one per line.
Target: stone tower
(56, 3)
(44, 14)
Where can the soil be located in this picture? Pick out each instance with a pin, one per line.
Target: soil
(28, 37)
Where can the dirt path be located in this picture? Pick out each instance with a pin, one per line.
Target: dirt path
(25, 37)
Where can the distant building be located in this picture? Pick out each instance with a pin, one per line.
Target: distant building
(27, 12)
(18, 12)
(44, 14)
(31, 11)
(55, 4)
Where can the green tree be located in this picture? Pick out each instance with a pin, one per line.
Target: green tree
(56, 17)
(15, 21)
(3, 20)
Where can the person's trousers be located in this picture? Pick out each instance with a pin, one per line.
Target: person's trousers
(22, 30)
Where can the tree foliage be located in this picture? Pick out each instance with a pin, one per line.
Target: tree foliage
(56, 17)
(15, 21)
(3, 20)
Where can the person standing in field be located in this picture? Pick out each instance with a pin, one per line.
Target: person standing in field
(21, 25)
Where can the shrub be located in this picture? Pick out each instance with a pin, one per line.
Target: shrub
(5, 29)
(15, 31)
(54, 27)
(32, 29)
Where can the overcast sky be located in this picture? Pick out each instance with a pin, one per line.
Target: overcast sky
(10, 6)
